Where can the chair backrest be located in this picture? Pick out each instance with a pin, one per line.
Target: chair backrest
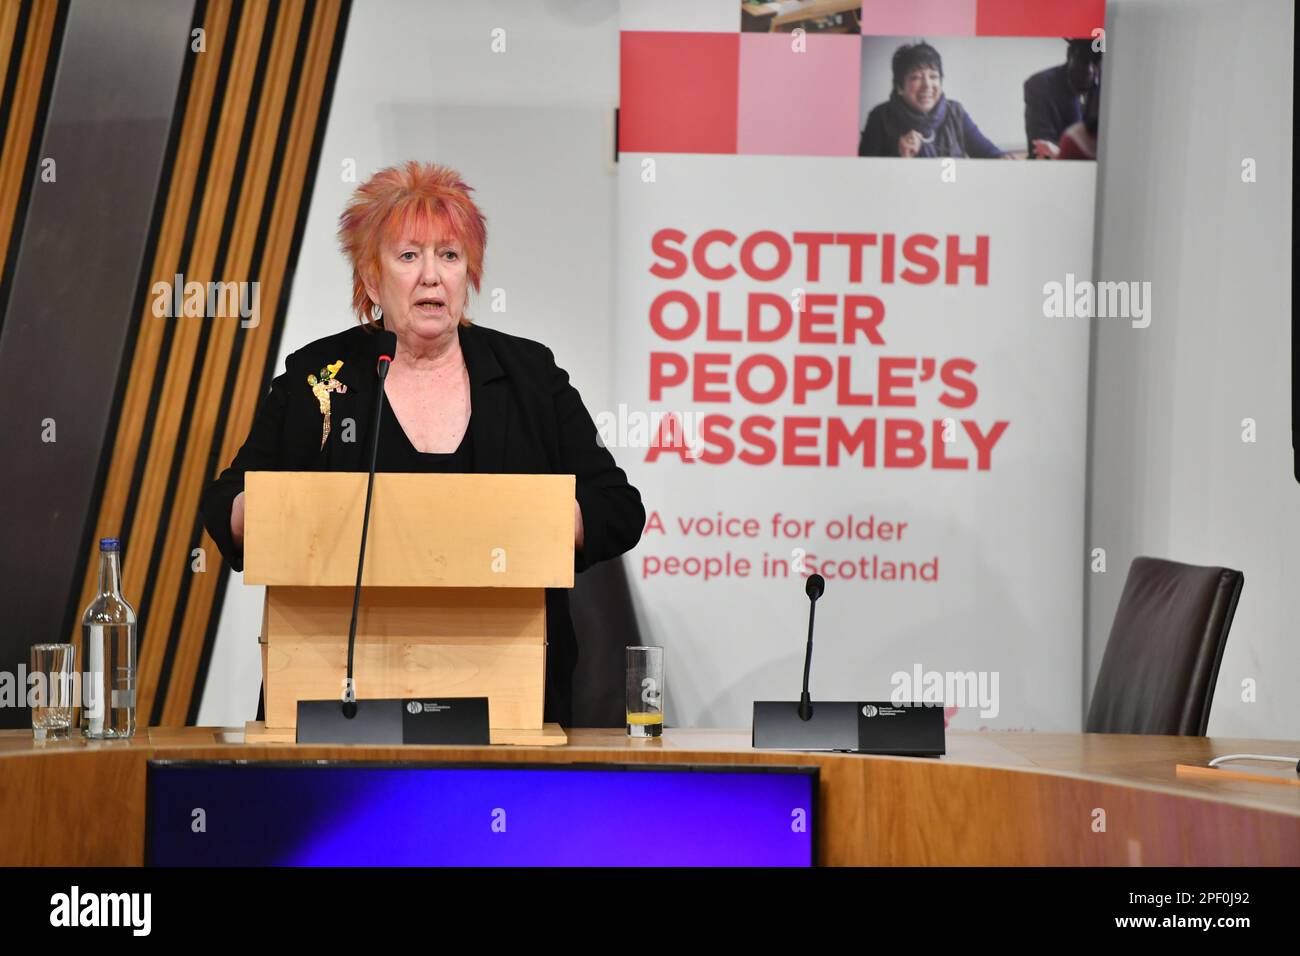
(604, 622)
(1162, 658)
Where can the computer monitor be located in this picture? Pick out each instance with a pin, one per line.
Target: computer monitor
(334, 813)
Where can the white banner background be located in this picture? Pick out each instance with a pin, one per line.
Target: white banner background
(1009, 540)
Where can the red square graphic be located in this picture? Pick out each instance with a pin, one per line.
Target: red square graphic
(1039, 18)
(678, 92)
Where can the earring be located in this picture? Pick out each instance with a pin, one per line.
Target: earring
(376, 313)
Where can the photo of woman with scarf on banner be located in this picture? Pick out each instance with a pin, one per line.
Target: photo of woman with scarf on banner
(918, 119)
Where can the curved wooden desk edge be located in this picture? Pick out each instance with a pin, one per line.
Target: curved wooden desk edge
(996, 799)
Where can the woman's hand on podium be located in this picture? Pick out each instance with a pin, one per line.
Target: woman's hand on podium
(237, 520)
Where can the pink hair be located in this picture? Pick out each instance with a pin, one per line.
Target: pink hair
(412, 201)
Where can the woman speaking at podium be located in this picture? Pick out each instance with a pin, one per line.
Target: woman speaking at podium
(458, 397)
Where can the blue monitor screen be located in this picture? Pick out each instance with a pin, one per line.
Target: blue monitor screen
(354, 814)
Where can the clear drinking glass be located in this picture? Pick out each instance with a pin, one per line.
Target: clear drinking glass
(645, 691)
(53, 696)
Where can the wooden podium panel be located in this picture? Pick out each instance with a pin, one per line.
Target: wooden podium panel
(470, 531)
(453, 599)
(411, 642)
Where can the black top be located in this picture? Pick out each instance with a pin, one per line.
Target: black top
(396, 453)
(527, 418)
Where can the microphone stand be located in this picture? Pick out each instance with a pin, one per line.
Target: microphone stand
(805, 702)
(350, 694)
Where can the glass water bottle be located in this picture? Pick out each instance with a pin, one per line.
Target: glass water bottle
(108, 652)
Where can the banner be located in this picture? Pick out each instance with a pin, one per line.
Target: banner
(852, 340)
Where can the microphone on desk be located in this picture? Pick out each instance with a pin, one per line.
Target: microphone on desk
(385, 347)
(815, 588)
(877, 727)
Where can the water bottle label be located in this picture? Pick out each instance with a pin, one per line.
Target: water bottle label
(123, 698)
(93, 713)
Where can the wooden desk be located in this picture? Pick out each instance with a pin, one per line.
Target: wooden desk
(996, 799)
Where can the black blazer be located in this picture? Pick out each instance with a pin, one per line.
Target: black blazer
(525, 418)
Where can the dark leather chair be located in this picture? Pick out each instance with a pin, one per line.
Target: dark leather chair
(1162, 658)
(604, 623)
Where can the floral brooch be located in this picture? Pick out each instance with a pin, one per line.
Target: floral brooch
(322, 384)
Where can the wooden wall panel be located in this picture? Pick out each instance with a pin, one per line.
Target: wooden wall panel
(87, 108)
(30, 32)
(236, 192)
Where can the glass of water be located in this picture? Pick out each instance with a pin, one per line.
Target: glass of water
(52, 696)
(645, 691)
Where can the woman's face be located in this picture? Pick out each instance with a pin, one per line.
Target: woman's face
(921, 88)
(422, 287)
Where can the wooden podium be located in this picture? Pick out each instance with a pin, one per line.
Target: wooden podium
(453, 600)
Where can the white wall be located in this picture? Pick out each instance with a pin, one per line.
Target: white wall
(986, 75)
(1193, 87)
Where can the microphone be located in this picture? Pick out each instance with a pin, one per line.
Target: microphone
(862, 726)
(391, 720)
(815, 588)
(385, 347)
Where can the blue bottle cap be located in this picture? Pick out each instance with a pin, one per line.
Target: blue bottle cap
(109, 544)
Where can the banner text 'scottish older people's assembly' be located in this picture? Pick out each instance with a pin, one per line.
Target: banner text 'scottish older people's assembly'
(829, 299)
(836, 360)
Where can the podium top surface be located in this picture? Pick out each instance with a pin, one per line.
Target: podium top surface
(303, 529)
